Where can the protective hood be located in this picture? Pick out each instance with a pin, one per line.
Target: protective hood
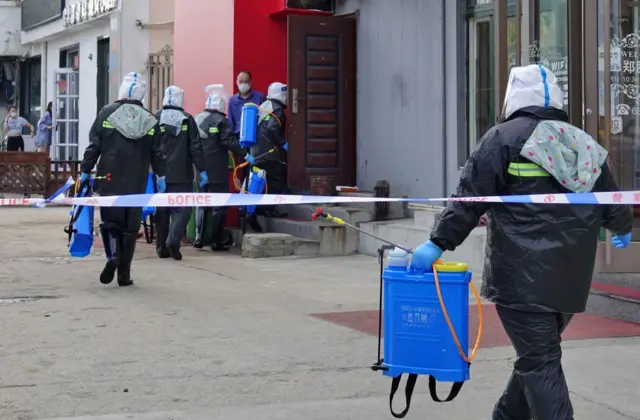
(172, 119)
(216, 101)
(265, 109)
(133, 87)
(199, 120)
(173, 96)
(277, 91)
(132, 121)
(532, 85)
(569, 154)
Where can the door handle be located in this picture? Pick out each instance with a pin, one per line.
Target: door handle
(294, 101)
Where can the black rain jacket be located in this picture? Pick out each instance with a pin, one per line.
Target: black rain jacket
(123, 160)
(538, 257)
(182, 150)
(219, 141)
(271, 134)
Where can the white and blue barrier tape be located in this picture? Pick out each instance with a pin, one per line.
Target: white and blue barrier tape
(234, 200)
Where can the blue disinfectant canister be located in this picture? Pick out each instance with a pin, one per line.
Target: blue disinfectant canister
(248, 125)
(257, 184)
(417, 339)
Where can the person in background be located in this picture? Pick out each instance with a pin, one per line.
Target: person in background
(45, 129)
(182, 148)
(272, 146)
(123, 140)
(13, 127)
(217, 141)
(245, 95)
(540, 258)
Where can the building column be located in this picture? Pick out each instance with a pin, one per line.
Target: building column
(203, 48)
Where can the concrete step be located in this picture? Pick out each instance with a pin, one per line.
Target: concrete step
(615, 295)
(333, 239)
(407, 233)
(428, 217)
(265, 245)
(353, 215)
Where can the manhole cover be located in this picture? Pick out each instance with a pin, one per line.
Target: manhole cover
(23, 299)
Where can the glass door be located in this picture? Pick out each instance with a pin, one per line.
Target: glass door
(612, 106)
(65, 115)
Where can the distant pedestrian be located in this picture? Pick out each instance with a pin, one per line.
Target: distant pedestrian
(45, 129)
(13, 127)
(245, 95)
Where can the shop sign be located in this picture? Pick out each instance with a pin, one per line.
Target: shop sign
(86, 10)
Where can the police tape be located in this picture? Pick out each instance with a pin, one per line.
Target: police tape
(236, 200)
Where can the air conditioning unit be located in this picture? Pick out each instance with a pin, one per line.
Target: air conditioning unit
(321, 5)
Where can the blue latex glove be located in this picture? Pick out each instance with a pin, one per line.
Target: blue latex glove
(250, 159)
(286, 146)
(84, 177)
(161, 183)
(203, 178)
(425, 255)
(621, 241)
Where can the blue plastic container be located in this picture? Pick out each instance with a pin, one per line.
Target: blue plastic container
(417, 339)
(151, 189)
(248, 125)
(257, 184)
(81, 240)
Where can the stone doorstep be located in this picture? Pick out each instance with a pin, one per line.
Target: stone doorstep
(264, 245)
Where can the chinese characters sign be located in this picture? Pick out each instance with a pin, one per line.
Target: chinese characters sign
(86, 10)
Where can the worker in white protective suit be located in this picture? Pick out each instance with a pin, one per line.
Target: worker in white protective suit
(272, 146)
(182, 147)
(217, 140)
(123, 141)
(540, 258)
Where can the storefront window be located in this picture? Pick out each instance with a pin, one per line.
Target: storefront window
(551, 46)
(623, 140)
(480, 77)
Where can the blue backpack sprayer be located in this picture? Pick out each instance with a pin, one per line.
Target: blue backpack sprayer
(255, 179)
(80, 229)
(426, 321)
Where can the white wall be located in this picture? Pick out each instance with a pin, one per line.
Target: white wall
(87, 40)
(10, 21)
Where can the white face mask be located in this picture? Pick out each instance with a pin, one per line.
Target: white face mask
(14, 114)
(244, 87)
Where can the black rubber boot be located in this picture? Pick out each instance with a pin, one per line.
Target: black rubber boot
(128, 247)
(162, 219)
(174, 252)
(253, 223)
(111, 251)
(201, 225)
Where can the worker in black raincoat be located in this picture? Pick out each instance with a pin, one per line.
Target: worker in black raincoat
(539, 257)
(217, 141)
(123, 140)
(183, 150)
(272, 147)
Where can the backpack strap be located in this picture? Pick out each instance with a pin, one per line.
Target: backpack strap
(409, 388)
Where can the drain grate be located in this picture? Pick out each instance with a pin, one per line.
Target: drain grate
(23, 299)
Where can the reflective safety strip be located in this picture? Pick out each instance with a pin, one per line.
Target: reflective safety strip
(162, 129)
(214, 130)
(107, 124)
(185, 127)
(267, 118)
(151, 132)
(526, 169)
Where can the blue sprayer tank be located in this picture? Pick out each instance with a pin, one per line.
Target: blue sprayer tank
(151, 189)
(257, 185)
(417, 339)
(248, 125)
(81, 225)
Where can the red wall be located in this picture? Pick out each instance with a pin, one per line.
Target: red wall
(260, 43)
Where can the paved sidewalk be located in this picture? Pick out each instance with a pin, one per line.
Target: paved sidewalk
(219, 337)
